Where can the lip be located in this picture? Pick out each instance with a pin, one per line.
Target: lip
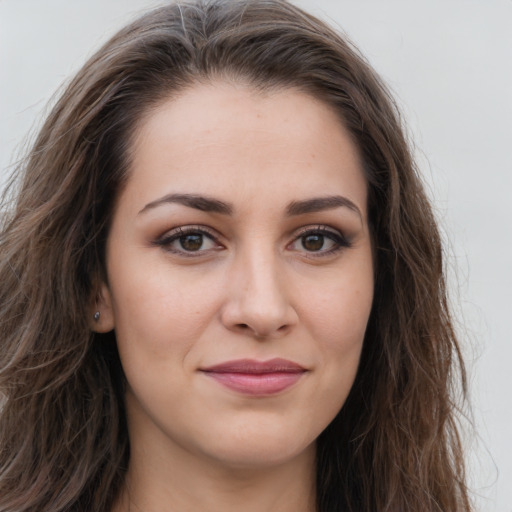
(256, 378)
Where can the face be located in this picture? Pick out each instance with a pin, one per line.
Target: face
(240, 275)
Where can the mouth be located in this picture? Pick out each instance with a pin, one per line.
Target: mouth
(256, 378)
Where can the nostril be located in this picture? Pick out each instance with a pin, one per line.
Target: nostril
(247, 328)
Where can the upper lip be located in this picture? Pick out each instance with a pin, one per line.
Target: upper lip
(276, 365)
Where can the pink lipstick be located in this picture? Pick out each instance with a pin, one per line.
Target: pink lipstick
(255, 378)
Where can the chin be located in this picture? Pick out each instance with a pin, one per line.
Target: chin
(260, 446)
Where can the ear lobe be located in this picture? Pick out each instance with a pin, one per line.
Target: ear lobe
(101, 317)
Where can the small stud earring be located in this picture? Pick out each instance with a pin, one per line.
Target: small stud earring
(96, 316)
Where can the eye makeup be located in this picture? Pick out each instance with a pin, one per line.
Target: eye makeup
(196, 240)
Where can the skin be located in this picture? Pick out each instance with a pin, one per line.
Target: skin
(261, 282)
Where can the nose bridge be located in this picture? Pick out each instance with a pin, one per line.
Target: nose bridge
(259, 276)
(257, 297)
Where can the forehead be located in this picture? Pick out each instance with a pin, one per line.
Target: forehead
(231, 140)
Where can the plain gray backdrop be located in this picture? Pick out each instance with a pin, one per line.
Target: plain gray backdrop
(449, 63)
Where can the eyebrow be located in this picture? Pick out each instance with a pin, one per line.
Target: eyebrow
(209, 204)
(203, 203)
(318, 204)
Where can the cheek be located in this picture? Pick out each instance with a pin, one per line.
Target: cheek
(159, 307)
(336, 321)
(338, 310)
(337, 317)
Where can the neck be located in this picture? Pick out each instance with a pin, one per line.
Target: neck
(179, 483)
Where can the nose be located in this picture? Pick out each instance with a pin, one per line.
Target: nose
(257, 297)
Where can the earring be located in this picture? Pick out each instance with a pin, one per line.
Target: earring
(96, 316)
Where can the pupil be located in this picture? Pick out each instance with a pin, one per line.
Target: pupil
(191, 242)
(313, 242)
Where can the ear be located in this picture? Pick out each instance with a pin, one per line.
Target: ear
(101, 317)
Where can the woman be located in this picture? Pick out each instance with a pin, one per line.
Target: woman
(222, 283)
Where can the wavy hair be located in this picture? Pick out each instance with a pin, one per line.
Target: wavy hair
(395, 444)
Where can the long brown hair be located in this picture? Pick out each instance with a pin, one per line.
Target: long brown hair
(395, 444)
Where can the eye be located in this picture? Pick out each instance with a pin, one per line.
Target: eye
(319, 241)
(189, 241)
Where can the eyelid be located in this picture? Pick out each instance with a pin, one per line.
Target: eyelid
(335, 235)
(318, 228)
(174, 234)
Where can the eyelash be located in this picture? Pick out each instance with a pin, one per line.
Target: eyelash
(174, 235)
(166, 241)
(340, 241)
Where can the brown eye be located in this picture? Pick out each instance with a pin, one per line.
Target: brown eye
(313, 242)
(192, 242)
(319, 241)
(189, 241)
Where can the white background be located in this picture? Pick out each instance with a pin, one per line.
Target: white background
(449, 63)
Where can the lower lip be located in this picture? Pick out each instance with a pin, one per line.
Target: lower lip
(256, 384)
